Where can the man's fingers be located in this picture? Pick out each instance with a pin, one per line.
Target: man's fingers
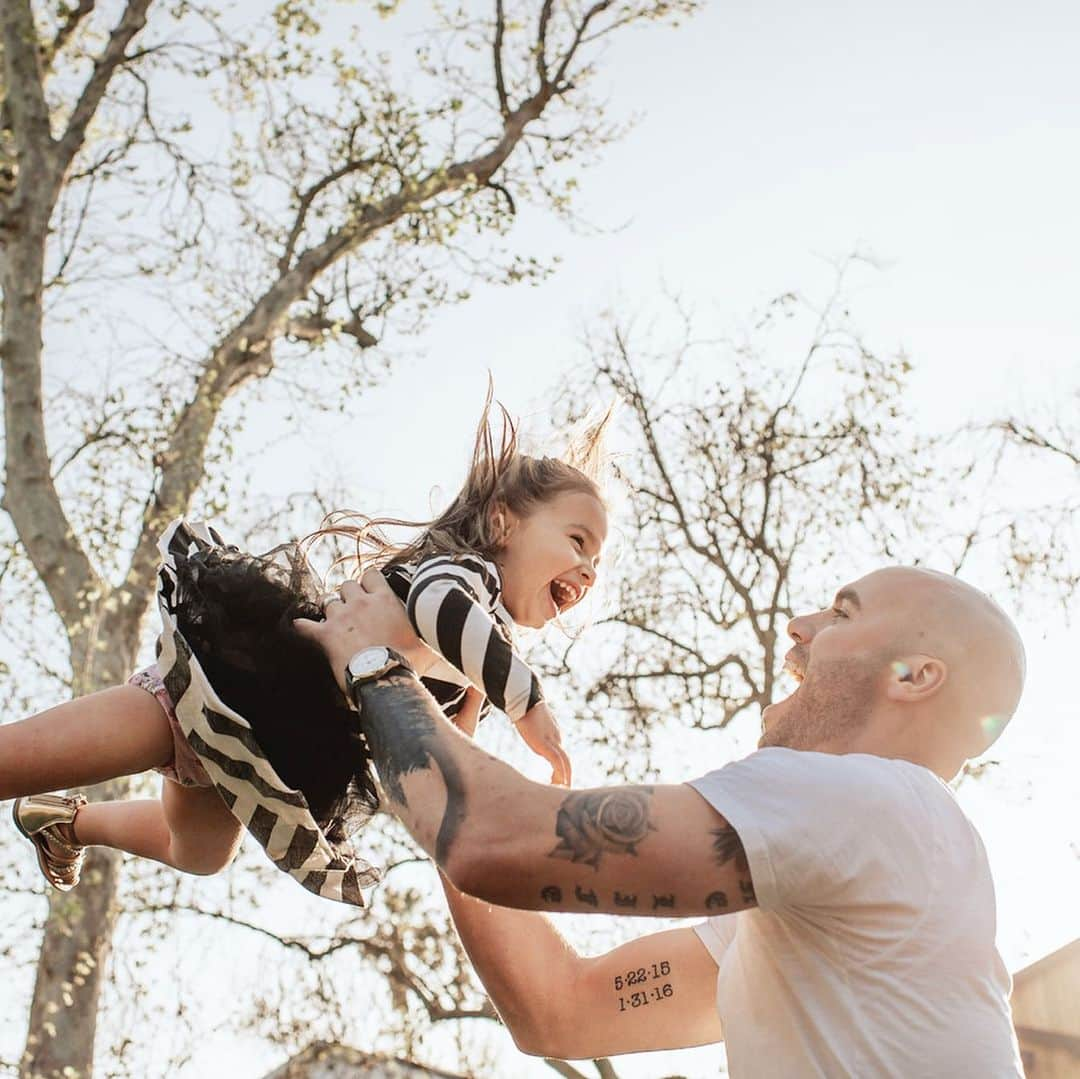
(307, 628)
(350, 590)
(373, 581)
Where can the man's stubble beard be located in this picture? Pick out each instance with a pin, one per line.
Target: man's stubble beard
(832, 704)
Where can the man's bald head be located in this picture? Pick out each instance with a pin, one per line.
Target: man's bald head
(906, 662)
(944, 617)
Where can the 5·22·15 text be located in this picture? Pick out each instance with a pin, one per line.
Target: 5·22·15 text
(644, 993)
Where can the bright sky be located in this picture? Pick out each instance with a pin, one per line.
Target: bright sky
(942, 138)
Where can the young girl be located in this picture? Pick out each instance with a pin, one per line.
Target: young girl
(245, 721)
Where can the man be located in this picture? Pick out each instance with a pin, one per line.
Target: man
(851, 913)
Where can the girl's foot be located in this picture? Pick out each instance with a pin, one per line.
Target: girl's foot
(46, 820)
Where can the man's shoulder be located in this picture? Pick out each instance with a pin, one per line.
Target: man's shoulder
(851, 766)
(828, 782)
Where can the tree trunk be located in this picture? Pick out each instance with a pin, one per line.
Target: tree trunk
(74, 950)
(78, 933)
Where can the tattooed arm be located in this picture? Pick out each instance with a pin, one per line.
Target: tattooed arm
(661, 851)
(657, 992)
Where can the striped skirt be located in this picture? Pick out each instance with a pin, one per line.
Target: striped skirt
(275, 814)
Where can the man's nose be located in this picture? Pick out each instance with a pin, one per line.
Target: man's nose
(801, 628)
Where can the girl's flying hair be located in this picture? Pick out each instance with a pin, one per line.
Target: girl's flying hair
(238, 619)
(500, 477)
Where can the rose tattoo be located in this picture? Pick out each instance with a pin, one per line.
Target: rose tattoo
(592, 823)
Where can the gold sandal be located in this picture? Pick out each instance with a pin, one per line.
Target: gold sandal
(42, 819)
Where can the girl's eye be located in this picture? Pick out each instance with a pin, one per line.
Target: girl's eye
(580, 541)
(839, 613)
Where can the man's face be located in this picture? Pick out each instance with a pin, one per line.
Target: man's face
(841, 659)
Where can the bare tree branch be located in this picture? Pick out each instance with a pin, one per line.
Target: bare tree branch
(105, 67)
(398, 969)
(72, 19)
(1028, 435)
(497, 56)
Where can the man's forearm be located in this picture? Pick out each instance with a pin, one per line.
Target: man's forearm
(414, 746)
(661, 852)
(523, 962)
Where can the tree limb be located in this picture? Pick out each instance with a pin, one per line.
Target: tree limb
(309, 196)
(68, 27)
(497, 57)
(315, 327)
(541, 42)
(391, 950)
(105, 67)
(1027, 435)
(568, 1071)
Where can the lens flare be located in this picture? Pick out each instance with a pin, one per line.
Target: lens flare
(901, 670)
(992, 724)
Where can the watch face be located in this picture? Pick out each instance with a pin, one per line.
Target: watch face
(368, 661)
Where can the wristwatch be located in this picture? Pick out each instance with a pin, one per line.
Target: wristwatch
(370, 664)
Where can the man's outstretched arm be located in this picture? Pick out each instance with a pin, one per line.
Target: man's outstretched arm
(660, 851)
(657, 992)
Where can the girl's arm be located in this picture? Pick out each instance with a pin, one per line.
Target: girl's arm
(450, 604)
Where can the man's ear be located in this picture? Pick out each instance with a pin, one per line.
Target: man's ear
(914, 678)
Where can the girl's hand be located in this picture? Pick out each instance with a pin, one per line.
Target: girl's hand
(541, 734)
(469, 716)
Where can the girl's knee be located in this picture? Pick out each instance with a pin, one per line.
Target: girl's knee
(209, 851)
(204, 860)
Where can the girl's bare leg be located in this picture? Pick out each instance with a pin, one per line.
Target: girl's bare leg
(190, 828)
(118, 732)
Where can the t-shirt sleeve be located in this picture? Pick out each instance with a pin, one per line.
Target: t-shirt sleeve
(451, 603)
(813, 824)
(716, 934)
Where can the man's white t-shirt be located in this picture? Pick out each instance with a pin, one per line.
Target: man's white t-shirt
(871, 952)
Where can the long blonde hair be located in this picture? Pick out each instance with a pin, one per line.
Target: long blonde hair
(500, 477)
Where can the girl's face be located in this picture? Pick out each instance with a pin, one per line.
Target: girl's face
(548, 561)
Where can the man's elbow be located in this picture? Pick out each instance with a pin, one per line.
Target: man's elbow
(537, 1041)
(480, 869)
(539, 1033)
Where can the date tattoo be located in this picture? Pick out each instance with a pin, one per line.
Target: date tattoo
(591, 824)
(643, 986)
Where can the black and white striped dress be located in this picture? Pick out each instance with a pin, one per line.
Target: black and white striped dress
(454, 603)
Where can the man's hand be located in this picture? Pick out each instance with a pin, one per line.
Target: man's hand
(540, 732)
(368, 614)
